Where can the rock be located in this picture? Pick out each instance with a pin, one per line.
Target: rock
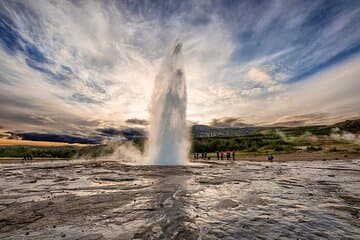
(211, 181)
(117, 178)
(226, 203)
(60, 179)
(63, 235)
(27, 233)
(354, 213)
(95, 236)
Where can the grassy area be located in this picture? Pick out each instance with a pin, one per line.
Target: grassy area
(279, 141)
(90, 151)
(260, 142)
(39, 152)
(256, 143)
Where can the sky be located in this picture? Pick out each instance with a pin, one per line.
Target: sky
(80, 67)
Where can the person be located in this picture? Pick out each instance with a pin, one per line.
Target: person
(233, 155)
(197, 155)
(222, 155)
(202, 155)
(270, 157)
(217, 155)
(206, 155)
(227, 155)
(194, 155)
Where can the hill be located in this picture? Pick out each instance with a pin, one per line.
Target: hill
(352, 126)
(207, 131)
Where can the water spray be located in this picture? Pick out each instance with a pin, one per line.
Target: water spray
(168, 136)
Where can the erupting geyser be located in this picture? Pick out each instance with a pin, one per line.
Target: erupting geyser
(168, 143)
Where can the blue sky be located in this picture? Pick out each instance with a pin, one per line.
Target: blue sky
(73, 66)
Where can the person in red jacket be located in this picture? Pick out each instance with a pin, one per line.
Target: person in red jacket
(227, 155)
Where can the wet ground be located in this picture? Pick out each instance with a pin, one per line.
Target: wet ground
(244, 200)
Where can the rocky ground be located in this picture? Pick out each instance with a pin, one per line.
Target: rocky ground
(222, 200)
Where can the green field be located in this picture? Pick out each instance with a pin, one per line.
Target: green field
(339, 137)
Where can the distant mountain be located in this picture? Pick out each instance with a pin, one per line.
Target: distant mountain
(197, 131)
(128, 133)
(101, 135)
(33, 136)
(349, 125)
(207, 131)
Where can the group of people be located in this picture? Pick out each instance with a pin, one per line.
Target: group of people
(229, 155)
(219, 155)
(204, 155)
(27, 157)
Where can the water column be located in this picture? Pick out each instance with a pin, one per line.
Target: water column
(168, 138)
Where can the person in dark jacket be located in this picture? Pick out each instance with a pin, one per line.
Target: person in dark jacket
(227, 155)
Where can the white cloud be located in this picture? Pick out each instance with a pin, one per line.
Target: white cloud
(260, 77)
(276, 88)
(333, 91)
(252, 91)
(114, 55)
